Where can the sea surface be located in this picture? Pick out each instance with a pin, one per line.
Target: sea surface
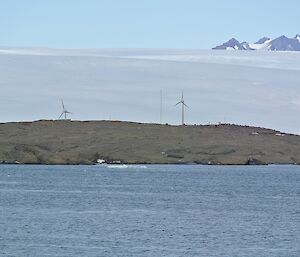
(152, 210)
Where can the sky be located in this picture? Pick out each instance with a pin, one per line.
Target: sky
(184, 24)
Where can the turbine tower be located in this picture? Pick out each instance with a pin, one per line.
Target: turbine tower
(182, 108)
(64, 111)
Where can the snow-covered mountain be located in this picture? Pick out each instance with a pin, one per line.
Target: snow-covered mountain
(281, 43)
(232, 44)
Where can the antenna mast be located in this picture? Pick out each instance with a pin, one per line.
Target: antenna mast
(182, 109)
(160, 113)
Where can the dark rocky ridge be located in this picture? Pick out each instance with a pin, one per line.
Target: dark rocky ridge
(84, 142)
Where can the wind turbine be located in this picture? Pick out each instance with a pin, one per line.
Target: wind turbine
(64, 111)
(182, 107)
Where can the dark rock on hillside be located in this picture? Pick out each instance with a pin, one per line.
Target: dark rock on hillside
(253, 161)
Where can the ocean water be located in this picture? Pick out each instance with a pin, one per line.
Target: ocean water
(153, 210)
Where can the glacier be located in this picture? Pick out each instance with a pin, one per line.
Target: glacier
(257, 88)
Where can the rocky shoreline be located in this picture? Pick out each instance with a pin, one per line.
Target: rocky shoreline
(93, 142)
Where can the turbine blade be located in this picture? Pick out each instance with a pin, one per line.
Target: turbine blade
(185, 105)
(62, 103)
(178, 103)
(61, 115)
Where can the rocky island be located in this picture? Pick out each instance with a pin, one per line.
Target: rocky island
(91, 142)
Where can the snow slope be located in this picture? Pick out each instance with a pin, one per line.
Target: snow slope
(258, 88)
(261, 45)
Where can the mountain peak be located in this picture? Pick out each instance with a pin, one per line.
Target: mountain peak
(282, 37)
(233, 40)
(262, 40)
(284, 43)
(231, 44)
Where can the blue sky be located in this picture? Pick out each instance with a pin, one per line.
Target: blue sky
(143, 23)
